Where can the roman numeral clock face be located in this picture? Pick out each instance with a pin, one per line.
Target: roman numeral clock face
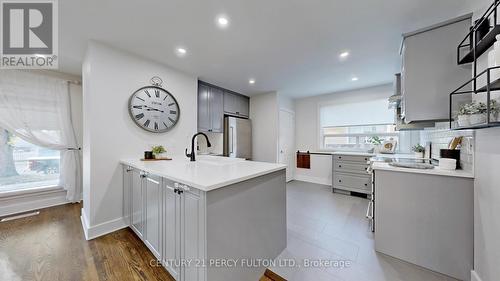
(154, 109)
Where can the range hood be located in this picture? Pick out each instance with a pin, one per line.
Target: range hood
(395, 101)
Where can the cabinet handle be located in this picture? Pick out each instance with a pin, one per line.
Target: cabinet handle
(340, 180)
(237, 112)
(152, 180)
(340, 166)
(340, 157)
(366, 184)
(129, 169)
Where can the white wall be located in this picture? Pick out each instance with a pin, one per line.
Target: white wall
(486, 188)
(487, 205)
(110, 77)
(264, 112)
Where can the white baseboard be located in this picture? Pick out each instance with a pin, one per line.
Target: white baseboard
(95, 231)
(474, 276)
(318, 180)
(32, 201)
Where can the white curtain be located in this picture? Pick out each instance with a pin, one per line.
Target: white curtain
(369, 112)
(37, 108)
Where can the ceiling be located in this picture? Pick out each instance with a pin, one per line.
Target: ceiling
(289, 46)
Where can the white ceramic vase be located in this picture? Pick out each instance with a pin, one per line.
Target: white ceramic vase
(476, 119)
(463, 120)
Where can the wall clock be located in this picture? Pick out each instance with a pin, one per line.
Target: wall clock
(153, 108)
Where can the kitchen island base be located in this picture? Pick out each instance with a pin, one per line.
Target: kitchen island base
(220, 234)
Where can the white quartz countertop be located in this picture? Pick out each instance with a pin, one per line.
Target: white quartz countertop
(207, 172)
(436, 171)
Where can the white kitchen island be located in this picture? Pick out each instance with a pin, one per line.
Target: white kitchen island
(213, 219)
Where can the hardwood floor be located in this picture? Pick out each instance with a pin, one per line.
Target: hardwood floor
(52, 246)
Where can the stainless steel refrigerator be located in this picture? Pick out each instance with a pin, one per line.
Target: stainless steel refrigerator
(237, 137)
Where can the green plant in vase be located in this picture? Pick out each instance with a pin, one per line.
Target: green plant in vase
(418, 150)
(159, 151)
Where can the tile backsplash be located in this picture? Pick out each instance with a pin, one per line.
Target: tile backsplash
(441, 136)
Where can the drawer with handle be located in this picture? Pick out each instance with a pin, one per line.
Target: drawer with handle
(352, 158)
(348, 167)
(351, 181)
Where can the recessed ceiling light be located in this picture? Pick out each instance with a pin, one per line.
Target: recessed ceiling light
(251, 81)
(354, 79)
(181, 52)
(222, 21)
(344, 55)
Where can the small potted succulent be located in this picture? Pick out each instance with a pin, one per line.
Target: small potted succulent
(419, 151)
(464, 113)
(159, 151)
(478, 113)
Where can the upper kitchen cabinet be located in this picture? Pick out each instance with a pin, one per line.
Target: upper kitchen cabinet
(429, 70)
(236, 104)
(210, 108)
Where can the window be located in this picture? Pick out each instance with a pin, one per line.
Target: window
(355, 124)
(24, 165)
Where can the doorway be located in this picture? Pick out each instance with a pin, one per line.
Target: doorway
(286, 149)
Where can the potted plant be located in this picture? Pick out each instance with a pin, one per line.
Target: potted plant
(419, 151)
(478, 113)
(464, 115)
(377, 143)
(494, 110)
(159, 151)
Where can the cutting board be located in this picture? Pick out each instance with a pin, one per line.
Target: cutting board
(156, 159)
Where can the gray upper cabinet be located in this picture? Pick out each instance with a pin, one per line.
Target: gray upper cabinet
(216, 110)
(210, 109)
(235, 104)
(203, 108)
(429, 70)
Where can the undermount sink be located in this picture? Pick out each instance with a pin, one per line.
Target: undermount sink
(422, 166)
(218, 160)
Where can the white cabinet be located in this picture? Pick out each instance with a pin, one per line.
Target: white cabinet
(192, 229)
(169, 218)
(152, 208)
(171, 229)
(137, 202)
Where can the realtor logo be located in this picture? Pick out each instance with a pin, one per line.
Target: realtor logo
(29, 34)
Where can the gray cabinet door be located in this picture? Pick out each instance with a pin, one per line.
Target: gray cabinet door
(153, 215)
(236, 104)
(193, 232)
(203, 108)
(431, 72)
(137, 203)
(171, 229)
(230, 104)
(216, 109)
(243, 106)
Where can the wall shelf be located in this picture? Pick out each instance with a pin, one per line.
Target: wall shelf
(466, 94)
(482, 46)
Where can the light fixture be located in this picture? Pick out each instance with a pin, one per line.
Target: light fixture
(181, 52)
(251, 81)
(222, 21)
(354, 79)
(344, 55)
